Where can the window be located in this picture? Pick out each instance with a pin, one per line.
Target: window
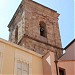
(16, 34)
(22, 68)
(43, 29)
(61, 71)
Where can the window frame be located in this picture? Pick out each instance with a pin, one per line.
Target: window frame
(22, 67)
(62, 69)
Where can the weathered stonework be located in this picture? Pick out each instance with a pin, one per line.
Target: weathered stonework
(27, 19)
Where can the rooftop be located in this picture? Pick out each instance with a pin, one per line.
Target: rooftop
(69, 44)
(21, 5)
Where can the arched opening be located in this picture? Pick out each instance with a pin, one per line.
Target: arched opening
(43, 31)
(16, 35)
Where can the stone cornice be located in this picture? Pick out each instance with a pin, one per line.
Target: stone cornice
(10, 23)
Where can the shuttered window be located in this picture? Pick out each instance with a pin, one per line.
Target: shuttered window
(22, 68)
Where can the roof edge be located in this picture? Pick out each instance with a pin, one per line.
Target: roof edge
(20, 47)
(69, 44)
(43, 5)
(20, 6)
(14, 15)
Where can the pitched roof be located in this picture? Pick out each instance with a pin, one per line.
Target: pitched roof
(69, 44)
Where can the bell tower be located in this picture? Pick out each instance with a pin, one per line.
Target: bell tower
(35, 27)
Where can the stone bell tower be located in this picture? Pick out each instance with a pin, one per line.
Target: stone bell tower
(35, 27)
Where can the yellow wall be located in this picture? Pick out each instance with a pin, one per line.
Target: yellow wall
(11, 53)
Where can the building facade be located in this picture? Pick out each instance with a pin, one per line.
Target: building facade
(34, 46)
(17, 60)
(66, 64)
(35, 27)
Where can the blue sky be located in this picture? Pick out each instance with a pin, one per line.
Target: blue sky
(64, 7)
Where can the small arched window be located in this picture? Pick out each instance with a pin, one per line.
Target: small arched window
(43, 31)
(16, 34)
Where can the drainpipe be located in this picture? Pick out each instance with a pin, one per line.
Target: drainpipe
(56, 62)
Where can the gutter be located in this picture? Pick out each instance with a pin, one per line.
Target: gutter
(56, 62)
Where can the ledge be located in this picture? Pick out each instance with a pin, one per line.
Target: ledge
(20, 47)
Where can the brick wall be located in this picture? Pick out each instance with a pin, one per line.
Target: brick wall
(27, 18)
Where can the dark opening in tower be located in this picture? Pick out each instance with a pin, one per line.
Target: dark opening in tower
(43, 31)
